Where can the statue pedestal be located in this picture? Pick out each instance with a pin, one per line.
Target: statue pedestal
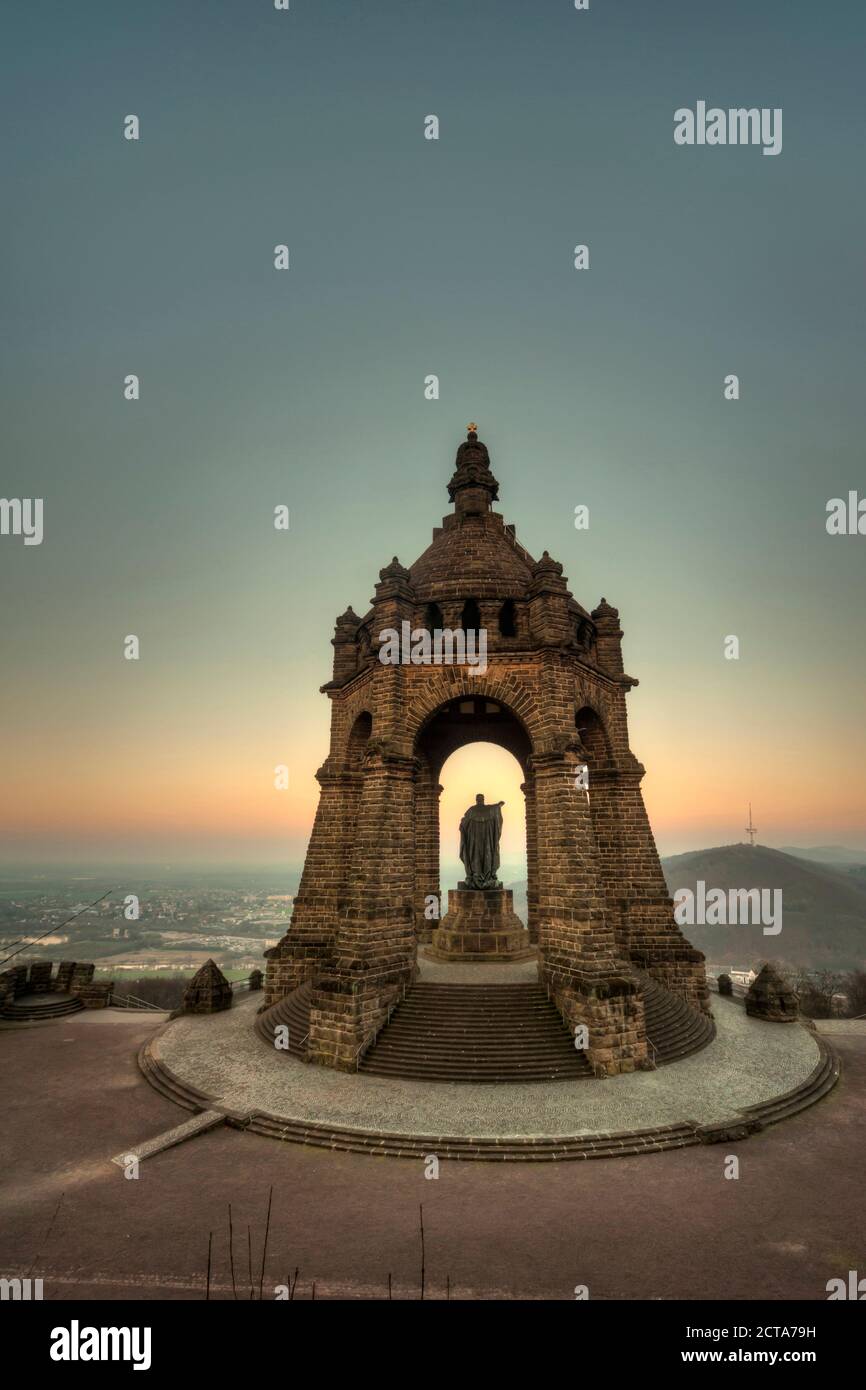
(480, 924)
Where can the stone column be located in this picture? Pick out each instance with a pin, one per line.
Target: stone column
(578, 958)
(606, 815)
(374, 957)
(307, 947)
(39, 979)
(648, 929)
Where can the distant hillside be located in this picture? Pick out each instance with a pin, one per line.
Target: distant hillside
(823, 908)
(827, 854)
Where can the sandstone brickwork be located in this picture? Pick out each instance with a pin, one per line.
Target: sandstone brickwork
(208, 992)
(771, 998)
(72, 977)
(553, 694)
(7, 988)
(64, 976)
(480, 924)
(39, 977)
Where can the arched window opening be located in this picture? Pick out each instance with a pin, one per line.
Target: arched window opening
(593, 735)
(359, 737)
(508, 619)
(433, 619)
(470, 619)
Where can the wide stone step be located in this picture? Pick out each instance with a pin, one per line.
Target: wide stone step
(33, 1012)
(534, 1148)
(538, 1150)
(490, 1032)
(480, 1033)
(505, 1044)
(168, 1085)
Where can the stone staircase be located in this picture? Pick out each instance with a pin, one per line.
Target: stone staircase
(508, 1032)
(164, 1080)
(292, 1011)
(674, 1029)
(40, 1008)
(490, 1032)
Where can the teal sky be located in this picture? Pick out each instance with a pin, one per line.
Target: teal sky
(411, 257)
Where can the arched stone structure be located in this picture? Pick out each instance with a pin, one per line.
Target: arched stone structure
(460, 720)
(553, 692)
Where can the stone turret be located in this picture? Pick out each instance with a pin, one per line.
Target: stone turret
(771, 998)
(549, 616)
(393, 602)
(208, 992)
(609, 639)
(344, 642)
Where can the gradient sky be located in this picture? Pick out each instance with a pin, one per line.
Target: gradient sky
(411, 257)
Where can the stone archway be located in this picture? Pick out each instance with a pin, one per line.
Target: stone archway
(457, 724)
(552, 689)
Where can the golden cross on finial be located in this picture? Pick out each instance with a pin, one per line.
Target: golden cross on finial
(471, 427)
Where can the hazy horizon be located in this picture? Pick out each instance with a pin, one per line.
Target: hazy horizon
(305, 388)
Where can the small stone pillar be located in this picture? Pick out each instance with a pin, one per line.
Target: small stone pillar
(256, 979)
(726, 984)
(95, 995)
(771, 998)
(39, 981)
(81, 978)
(208, 991)
(64, 976)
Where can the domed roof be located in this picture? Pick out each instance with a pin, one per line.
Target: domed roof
(474, 554)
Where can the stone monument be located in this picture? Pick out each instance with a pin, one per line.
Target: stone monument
(553, 694)
(481, 923)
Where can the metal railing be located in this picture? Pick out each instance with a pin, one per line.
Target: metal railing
(242, 985)
(132, 1001)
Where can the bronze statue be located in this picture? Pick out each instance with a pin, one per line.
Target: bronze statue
(480, 830)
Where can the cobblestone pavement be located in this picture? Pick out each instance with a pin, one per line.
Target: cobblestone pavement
(748, 1062)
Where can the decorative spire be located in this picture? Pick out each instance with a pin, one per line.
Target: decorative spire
(606, 613)
(395, 584)
(394, 571)
(473, 486)
(547, 565)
